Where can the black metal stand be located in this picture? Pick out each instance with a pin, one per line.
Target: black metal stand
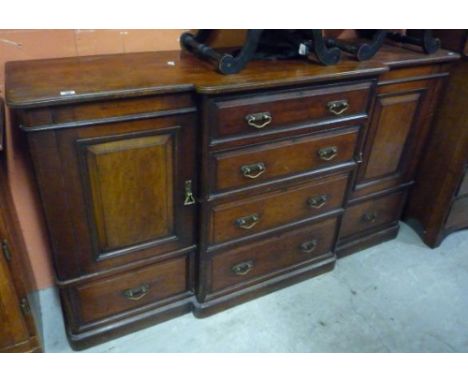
(224, 62)
(325, 54)
(295, 43)
(363, 50)
(263, 44)
(419, 37)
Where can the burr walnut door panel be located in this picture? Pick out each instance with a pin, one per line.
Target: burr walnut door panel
(400, 122)
(131, 190)
(115, 193)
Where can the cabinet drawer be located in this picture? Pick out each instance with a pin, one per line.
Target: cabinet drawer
(256, 214)
(463, 190)
(458, 215)
(109, 296)
(273, 254)
(263, 112)
(256, 164)
(372, 213)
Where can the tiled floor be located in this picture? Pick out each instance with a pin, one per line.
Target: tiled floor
(399, 296)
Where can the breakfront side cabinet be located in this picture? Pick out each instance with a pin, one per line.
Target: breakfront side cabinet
(168, 187)
(438, 204)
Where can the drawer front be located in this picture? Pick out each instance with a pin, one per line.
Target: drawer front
(256, 214)
(372, 213)
(264, 112)
(109, 296)
(463, 190)
(273, 254)
(458, 216)
(254, 165)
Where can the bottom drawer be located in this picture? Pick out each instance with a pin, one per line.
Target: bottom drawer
(372, 214)
(273, 254)
(458, 215)
(142, 286)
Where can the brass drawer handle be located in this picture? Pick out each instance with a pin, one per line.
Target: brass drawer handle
(248, 222)
(328, 153)
(338, 107)
(259, 120)
(242, 269)
(369, 217)
(253, 171)
(317, 201)
(308, 246)
(137, 293)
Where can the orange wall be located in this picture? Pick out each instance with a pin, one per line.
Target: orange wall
(33, 44)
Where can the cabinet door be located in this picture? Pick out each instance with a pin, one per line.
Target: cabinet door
(114, 193)
(399, 125)
(13, 327)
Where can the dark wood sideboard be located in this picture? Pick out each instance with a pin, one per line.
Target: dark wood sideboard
(438, 204)
(18, 331)
(170, 188)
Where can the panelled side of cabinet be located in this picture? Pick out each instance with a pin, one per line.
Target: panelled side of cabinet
(442, 179)
(18, 332)
(400, 125)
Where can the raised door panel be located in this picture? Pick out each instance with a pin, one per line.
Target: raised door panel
(120, 194)
(395, 116)
(394, 139)
(131, 187)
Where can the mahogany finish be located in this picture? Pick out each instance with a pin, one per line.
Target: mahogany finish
(113, 217)
(256, 164)
(438, 204)
(230, 115)
(170, 187)
(372, 214)
(312, 242)
(18, 332)
(143, 288)
(276, 208)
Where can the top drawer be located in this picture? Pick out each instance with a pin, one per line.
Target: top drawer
(250, 114)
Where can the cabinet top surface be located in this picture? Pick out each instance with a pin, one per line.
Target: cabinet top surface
(75, 79)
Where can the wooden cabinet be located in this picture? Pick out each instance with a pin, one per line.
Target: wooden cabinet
(438, 204)
(17, 328)
(400, 124)
(118, 199)
(170, 188)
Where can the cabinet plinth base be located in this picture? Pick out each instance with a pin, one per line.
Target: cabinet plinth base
(346, 248)
(218, 304)
(140, 321)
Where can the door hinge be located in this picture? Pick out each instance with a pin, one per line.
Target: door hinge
(24, 305)
(6, 250)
